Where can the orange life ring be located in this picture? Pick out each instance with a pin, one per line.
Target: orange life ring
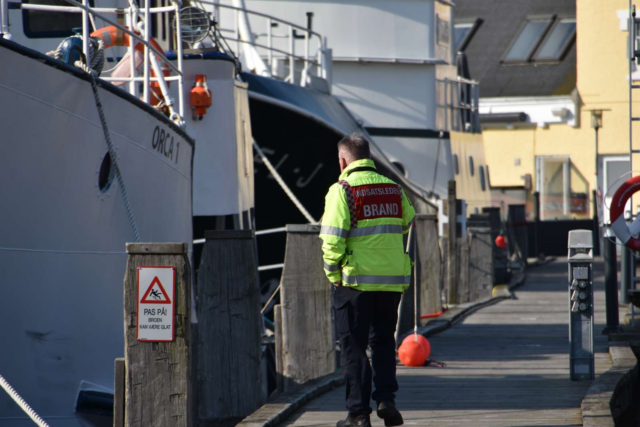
(627, 236)
(113, 36)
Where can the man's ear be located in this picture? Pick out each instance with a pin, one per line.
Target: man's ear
(343, 163)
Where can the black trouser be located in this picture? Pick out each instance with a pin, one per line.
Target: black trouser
(367, 318)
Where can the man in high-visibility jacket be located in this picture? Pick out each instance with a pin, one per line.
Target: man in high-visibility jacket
(365, 218)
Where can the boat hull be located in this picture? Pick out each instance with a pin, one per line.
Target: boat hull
(65, 225)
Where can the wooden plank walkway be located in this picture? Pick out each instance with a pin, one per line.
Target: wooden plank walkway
(508, 365)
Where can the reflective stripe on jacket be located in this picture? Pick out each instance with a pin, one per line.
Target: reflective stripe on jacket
(369, 256)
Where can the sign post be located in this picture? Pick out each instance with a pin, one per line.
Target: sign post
(157, 320)
(581, 305)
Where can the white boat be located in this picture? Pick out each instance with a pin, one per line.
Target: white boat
(396, 69)
(66, 215)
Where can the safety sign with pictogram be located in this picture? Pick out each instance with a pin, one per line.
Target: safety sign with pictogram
(156, 292)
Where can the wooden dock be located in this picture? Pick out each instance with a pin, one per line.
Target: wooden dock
(507, 365)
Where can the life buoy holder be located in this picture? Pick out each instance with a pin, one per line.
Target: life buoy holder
(628, 235)
(114, 36)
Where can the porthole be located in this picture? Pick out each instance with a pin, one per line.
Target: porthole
(456, 166)
(106, 174)
(471, 170)
(483, 184)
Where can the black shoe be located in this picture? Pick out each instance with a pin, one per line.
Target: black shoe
(388, 412)
(361, 421)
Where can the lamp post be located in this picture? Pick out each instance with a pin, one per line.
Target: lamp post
(596, 124)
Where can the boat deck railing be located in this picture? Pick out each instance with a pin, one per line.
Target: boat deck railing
(458, 104)
(135, 19)
(274, 50)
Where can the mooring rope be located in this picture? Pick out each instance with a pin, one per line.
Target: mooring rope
(283, 184)
(114, 159)
(96, 62)
(21, 402)
(96, 54)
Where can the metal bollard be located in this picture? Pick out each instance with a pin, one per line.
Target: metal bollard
(580, 259)
(611, 282)
(626, 276)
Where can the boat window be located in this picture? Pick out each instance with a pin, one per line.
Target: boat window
(471, 170)
(38, 24)
(559, 39)
(463, 33)
(456, 166)
(483, 184)
(527, 40)
(460, 32)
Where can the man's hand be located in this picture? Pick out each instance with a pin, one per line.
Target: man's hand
(337, 284)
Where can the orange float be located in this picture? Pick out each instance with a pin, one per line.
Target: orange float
(422, 340)
(411, 353)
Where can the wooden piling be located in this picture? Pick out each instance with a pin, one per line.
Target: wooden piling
(519, 231)
(480, 263)
(229, 327)
(428, 264)
(308, 335)
(406, 310)
(452, 264)
(118, 392)
(463, 287)
(277, 320)
(158, 390)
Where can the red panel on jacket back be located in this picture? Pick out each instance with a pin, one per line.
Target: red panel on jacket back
(377, 201)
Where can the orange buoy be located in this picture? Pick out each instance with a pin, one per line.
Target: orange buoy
(501, 242)
(411, 353)
(422, 340)
(200, 97)
(113, 36)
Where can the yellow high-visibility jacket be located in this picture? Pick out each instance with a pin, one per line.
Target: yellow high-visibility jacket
(365, 217)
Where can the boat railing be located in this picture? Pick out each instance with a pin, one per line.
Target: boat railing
(136, 20)
(458, 102)
(320, 60)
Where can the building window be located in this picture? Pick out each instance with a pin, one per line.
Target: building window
(483, 184)
(471, 169)
(564, 191)
(558, 40)
(456, 166)
(463, 33)
(541, 40)
(527, 40)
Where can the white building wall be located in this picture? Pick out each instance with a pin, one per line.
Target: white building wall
(387, 95)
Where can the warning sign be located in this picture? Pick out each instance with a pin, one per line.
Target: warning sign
(156, 291)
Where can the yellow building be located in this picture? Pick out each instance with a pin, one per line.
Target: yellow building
(540, 99)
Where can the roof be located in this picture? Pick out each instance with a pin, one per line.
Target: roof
(502, 21)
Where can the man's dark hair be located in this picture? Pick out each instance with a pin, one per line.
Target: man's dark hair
(356, 145)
